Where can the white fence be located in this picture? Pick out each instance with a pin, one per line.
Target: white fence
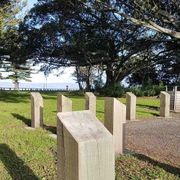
(174, 98)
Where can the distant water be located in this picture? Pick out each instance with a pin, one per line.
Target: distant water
(30, 85)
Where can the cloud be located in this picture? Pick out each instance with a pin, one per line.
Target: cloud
(65, 77)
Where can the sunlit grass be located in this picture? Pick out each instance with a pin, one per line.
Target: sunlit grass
(31, 154)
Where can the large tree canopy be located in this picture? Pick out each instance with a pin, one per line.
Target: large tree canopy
(85, 33)
(159, 15)
(89, 32)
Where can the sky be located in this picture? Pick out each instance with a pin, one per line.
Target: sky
(30, 4)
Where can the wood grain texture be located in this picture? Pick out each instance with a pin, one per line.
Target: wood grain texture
(177, 101)
(36, 110)
(90, 102)
(130, 106)
(174, 99)
(64, 104)
(172, 95)
(164, 104)
(87, 152)
(115, 117)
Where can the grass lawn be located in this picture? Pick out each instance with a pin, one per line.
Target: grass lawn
(31, 154)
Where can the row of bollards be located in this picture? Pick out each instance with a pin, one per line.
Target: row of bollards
(86, 148)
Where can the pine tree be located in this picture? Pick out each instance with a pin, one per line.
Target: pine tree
(17, 73)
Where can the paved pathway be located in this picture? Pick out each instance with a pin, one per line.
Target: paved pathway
(157, 138)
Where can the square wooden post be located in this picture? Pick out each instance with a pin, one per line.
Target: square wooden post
(90, 102)
(85, 148)
(64, 104)
(164, 104)
(36, 110)
(130, 106)
(115, 117)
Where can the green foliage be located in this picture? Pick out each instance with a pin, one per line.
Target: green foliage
(159, 15)
(17, 72)
(113, 91)
(137, 91)
(85, 33)
(10, 18)
(149, 90)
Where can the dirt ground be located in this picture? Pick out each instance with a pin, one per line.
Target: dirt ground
(157, 138)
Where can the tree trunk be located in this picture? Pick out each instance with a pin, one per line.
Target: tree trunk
(110, 79)
(88, 86)
(78, 78)
(114, 77)
(16, 85)
(88, 75)
(79, 84)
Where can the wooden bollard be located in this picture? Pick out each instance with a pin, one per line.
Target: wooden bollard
(115, 117)
(36, 110)
(130, 106)
(164, 104)
(64, 104)
(90, 102)
(84, 148)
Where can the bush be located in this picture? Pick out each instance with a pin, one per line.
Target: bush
(137, 91)
(113, 91)
(150, 90)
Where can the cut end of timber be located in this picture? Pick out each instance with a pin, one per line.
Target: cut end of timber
(37, 98)
(64, 104)
(81, 126)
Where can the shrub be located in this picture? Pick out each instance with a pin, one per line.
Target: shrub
(113, 91)
(150, 90)
(137, 91)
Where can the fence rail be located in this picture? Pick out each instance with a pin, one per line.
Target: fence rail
(35, 89)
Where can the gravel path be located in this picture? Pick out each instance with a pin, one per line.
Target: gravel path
(157, 138)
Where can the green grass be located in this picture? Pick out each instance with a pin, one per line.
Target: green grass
(31, 154)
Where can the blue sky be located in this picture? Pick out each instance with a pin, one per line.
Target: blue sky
(30, 3)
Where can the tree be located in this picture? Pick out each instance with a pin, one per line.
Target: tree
(11, 50)
(85, 33)
(159, 15)
(9, 36)
(144, 77)
(167, 73)
(16, 73)
(88, 77)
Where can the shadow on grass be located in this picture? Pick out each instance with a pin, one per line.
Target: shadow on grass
(14, 97)
(51, 129)
(101, 112)
(49, 97)
(15, 166)
(149, 107)
(166, 167)
(22, 118)
(152, 113)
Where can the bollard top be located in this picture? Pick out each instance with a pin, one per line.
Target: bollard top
(64, 104)
(36, 96)
(114, 100)
(165, 93)
(130, 94)
(89, 94)
(84, 126)
(61, 96)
